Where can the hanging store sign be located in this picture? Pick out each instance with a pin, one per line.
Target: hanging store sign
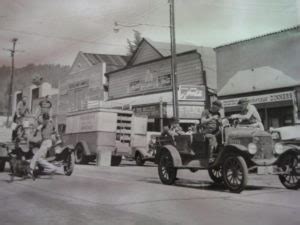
(260, 99)
(152, 110)
(191, 93)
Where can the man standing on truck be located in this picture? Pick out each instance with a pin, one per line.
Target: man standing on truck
(210, 122)
(249, 114)
(45, 106)
(47, 131)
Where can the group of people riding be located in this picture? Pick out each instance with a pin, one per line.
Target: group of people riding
(211, 120)
(44, 127)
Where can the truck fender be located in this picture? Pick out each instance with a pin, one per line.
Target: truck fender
(85, 146)
(232, 148)
(293, 148)
(288, 150)
(141, 151)
(174, 153)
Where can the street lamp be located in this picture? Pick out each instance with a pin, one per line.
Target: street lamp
(116, 29)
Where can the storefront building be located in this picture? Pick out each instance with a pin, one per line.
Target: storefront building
(84, 86)
(144, 85)
(265, 70)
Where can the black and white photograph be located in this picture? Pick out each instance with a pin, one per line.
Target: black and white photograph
(149, 112)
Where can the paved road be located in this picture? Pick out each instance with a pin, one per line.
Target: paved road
(133, 195)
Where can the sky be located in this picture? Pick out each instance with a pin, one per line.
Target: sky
(54, 31)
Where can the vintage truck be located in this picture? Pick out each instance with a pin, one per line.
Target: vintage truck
(107, 132)
(241, 150)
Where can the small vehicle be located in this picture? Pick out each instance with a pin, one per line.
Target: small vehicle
(242, 149)
(288, 136)
(24, 146)
(146, 151)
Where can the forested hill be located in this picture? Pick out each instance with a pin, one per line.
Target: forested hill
(23, 78)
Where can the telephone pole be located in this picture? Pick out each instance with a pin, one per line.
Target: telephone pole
(173, 60)
(12, 54)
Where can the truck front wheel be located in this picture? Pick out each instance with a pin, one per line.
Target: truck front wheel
(290, 179)
(235, 173)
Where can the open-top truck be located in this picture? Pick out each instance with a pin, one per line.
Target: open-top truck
(107, 135)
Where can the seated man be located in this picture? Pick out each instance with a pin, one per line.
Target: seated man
(249, 114)
(210, 120)
(173, 129)
(47, 130)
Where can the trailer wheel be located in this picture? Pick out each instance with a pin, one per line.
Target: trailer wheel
(80, 157)
(2, 164)
(116, 160)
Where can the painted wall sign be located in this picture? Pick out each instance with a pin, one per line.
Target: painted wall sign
(151, 83)
(259, 99)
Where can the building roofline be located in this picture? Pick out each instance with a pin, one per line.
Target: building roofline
(138, 49)
(148, 62)
(235, 95)
(259, 36)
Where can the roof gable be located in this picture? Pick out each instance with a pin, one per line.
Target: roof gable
(144, 52)
(258, 79)
(85, 60)
(80, 63)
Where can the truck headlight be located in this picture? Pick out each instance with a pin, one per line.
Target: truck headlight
(252, 148)
(278, 148)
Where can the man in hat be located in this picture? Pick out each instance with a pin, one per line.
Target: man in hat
(210, 122)
(249, 114)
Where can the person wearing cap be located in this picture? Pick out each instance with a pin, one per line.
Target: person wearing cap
(249, 114)
(210, 122)
(47, 130)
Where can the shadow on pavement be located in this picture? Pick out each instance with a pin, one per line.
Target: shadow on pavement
(207, 185)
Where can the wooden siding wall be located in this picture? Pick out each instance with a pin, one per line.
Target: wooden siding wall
(188, 72)
(75, 99)
(145, 53)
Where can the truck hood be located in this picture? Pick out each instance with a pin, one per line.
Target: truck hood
(246, 132)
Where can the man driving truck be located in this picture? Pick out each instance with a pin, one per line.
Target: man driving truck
(210, 121)
(249, 114)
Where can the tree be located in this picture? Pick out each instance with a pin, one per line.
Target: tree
(132, 45)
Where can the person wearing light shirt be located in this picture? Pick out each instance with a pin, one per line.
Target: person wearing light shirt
(249, 114)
